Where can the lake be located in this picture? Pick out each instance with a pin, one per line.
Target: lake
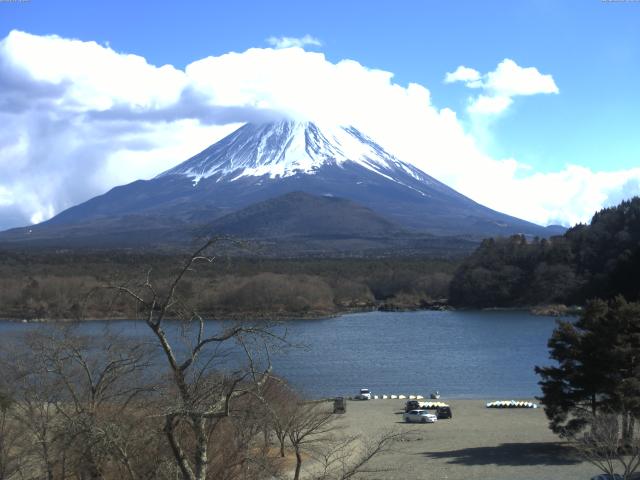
(463, 354)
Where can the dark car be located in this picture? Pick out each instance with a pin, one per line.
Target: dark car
(444, 412)
(411, 405)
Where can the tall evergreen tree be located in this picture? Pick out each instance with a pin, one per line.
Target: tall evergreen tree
(597, 370)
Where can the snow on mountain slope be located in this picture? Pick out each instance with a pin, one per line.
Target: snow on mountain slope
(287, 148)
(243, 172)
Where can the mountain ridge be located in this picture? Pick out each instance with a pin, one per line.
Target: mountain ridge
(259, 162)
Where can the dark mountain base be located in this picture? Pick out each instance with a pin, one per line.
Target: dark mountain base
(293, 225)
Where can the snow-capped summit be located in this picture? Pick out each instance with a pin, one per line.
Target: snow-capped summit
(286, 148)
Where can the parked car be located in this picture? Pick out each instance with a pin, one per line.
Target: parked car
(419, 416)
(364, 394)
(444, 412)
(412, 405)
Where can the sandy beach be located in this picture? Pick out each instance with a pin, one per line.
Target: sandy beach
(478, 443)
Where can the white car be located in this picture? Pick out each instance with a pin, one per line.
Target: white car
(364, 394)
(419, 416)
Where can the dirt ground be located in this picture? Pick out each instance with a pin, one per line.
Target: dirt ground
(478, 443)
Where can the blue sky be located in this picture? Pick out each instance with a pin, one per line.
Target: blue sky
(591, 48)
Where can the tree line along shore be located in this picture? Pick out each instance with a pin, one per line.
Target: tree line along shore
(67, 285)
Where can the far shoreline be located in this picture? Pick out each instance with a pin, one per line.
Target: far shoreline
(539, 310)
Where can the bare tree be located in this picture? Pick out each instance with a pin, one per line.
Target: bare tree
(345, 458)
(280, 404)
(80, 400)
(310, 424)
(99, 385)
(11, 437)
(33, 409)
(313, 431)
(236, 452)
(201, 399)
(603, 445)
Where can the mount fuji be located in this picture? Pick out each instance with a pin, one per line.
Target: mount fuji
(280, 180)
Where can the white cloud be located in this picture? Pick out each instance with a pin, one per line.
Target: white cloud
(489, 105)
(469, 76)
(288, 42)
(79, 118)
(566, 197)
(508, 80)
(90, 72)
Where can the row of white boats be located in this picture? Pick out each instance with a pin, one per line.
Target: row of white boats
(511, 404)
(365, 396)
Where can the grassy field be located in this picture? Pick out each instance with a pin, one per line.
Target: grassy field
(478, 443)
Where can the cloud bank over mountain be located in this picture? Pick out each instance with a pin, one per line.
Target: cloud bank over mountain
(80, 118)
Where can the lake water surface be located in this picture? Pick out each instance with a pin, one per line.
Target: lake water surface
(472, 354)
